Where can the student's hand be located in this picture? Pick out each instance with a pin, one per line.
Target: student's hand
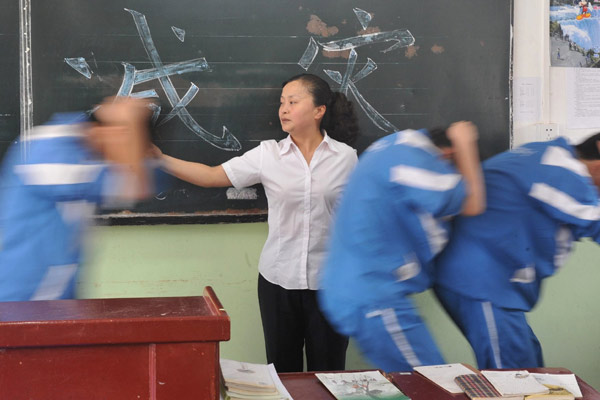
(462, 132)
(154, 151)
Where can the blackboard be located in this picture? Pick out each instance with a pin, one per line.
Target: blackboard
(9, 67)
(216, 68)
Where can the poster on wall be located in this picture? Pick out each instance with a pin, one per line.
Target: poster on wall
(575, 33)
(583, 98)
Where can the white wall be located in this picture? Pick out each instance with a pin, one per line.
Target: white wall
(532, 62)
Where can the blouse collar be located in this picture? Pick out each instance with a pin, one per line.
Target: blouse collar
(286, 144)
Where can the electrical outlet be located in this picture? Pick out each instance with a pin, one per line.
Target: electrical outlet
(545, 132)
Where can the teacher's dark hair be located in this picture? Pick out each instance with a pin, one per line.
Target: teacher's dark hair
(340, 120)
(588, 149)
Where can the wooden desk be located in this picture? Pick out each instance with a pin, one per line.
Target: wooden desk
(306, 386)
(139, 348)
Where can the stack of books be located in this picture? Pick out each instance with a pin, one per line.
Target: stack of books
(244, 381)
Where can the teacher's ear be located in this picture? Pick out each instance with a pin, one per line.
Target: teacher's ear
(320, 112)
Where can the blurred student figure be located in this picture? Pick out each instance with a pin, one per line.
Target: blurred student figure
(49, 185)
(302, 175)
(540, 197)
(391, 222)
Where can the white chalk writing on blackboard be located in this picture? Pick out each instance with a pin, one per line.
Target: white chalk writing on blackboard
(180, 33)
(363, 17)
(347, 81)
(80, 65)
(161, 72)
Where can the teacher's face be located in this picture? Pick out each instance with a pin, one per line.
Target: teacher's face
(297, 111)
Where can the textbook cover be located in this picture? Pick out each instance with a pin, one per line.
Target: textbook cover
(361, 386)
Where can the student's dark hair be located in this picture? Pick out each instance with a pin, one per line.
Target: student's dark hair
(340, 120)
(439, 137)
(588, 149)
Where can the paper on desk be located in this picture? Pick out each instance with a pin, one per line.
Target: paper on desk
(278, 384)
(514, 382)
(444, 374)
(567, 381)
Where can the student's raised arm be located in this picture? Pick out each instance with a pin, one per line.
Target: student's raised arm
(463, 136)
(193, 172)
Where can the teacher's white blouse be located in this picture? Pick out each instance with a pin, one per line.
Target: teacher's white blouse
(301, 199)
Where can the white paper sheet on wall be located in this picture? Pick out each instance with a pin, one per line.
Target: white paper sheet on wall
(583, 98)
(527, 101)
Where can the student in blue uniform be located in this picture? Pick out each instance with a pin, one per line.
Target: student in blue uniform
(50, 182)
(390, 224)
(540, 197)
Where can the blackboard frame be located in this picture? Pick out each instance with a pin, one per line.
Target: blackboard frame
(253, 213)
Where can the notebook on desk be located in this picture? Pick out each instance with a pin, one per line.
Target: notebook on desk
(477, 387)
(443, 375)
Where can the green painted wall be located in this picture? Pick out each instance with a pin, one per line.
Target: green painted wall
(180, 260)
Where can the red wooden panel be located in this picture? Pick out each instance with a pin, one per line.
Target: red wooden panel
(186, 371)
(61, 373)
(104, 321)
(136, 348)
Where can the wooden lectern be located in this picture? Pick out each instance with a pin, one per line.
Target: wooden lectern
(164, 348)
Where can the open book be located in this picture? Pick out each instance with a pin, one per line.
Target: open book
(567, 381)
(511, 383)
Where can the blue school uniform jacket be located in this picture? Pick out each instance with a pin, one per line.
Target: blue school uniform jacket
(49, 185)
(389, 226)
(539, 199)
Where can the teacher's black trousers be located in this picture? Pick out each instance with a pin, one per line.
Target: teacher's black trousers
(292, 321)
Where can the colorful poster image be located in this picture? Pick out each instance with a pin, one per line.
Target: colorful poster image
(575, 33)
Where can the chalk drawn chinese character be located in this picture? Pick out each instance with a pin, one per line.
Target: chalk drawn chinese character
(347, 81)
(162, 73)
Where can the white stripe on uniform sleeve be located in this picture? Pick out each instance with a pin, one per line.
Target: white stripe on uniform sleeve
(563, 202)
(559, 157)
(416, 139)
(58, 174)
(55, 282)
(437, 236)
(423, 179)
